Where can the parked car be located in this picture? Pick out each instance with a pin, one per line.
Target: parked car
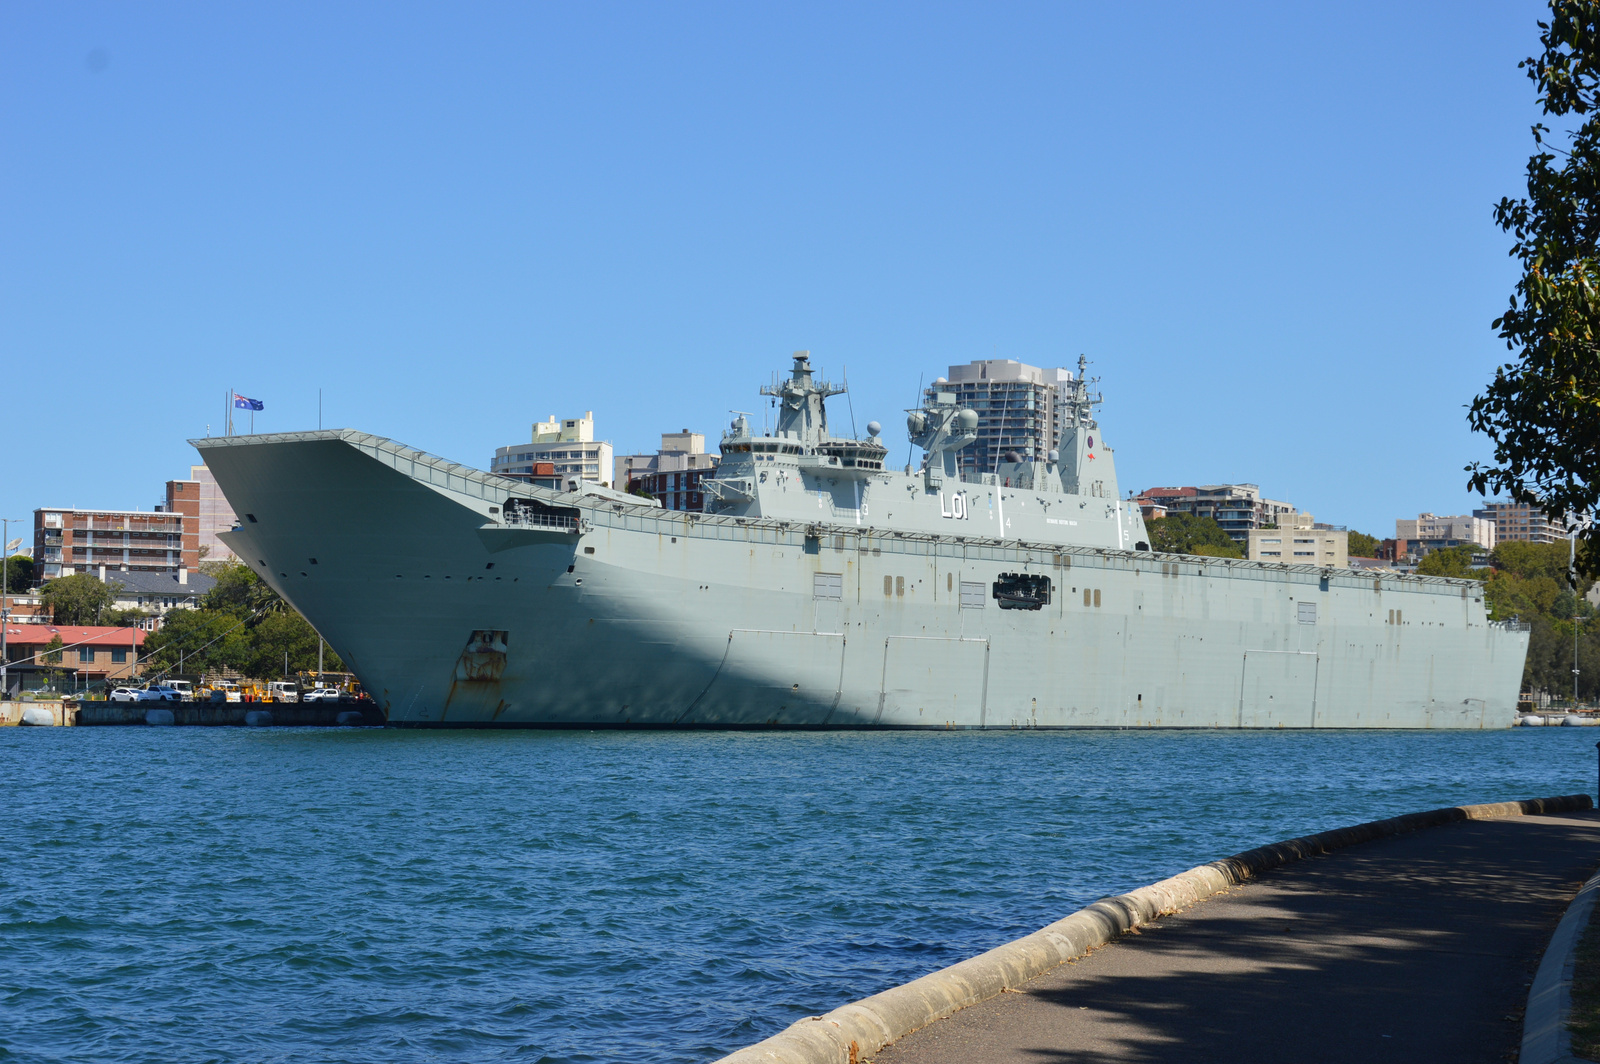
(160, 692)
(183, 687)
(132, 694)
(321, 694)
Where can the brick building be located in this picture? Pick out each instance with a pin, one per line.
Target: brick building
(68, 540)
(1525, 524)
(672, 475)
(92, 654)
(1238, 508)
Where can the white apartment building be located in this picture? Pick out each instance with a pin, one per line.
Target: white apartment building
(1298, 541)
(1018, 408)
(568, 444)
(1431, 532)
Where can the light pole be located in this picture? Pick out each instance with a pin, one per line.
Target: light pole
(1578, 525)
(5, 599)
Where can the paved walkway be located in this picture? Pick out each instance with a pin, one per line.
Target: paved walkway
(1414, 948)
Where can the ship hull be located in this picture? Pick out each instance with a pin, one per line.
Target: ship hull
(646, 618)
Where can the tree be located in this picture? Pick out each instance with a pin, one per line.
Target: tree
(199, 641)
(19, 573)
(1188, 534)
(286, 633)
(1363, 546)
(240, 590)
(51, 655)
(1542, 410)
(1452, 561)
(77, 599)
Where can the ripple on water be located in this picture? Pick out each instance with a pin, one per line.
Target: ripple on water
(273, 895)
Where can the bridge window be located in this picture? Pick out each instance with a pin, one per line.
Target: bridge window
(827, 585)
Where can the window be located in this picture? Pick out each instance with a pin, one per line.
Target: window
(900, 587)
(827, 585)
(119, 657)
(888, 586)
(85, 654)
(1308, 612)
(1272, 554)
(972, 597)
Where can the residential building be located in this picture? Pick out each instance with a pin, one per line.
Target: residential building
(157, 593)
(90, 654)
(1238, 508)
(213, 515)
(1298, 540)
(673, 474)
(68, 541)
(1019, 409)
(1431, 532)
(569, 446)
(1516, 522)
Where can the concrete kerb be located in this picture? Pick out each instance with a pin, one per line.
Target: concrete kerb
(1545, 1038)
(856, 1031)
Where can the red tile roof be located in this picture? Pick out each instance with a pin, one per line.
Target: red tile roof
(70, 634)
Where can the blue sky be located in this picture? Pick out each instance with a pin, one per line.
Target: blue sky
(1268, 226)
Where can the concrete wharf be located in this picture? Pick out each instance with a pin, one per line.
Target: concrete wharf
(70, 714)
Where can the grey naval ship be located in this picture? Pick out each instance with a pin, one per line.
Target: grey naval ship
(820, 589)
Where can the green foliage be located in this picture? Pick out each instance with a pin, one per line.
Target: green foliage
(77, 599)
(1363, 545)
(241, 624)
(199, 640)
(1452, 561)
(1188, 534)
(239, 589)
(1542, 410)
(124, 618)
(288, 633)
(55, 645)
(19, 573)
(1530, 584)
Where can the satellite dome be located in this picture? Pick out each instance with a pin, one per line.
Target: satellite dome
(1013, 457)
(967, 420)
(1055, 456)
(939, 380)
(915, 423)
(873, 428)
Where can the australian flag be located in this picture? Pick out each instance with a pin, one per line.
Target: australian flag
(242, 403)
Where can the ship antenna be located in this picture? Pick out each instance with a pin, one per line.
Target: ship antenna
(850, 403)
(908, 435)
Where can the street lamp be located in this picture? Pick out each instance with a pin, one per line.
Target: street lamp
(5, 599)
(1578, 525)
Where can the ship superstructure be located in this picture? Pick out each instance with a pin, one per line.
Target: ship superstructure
(822, 589)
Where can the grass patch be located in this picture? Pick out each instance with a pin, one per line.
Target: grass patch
(1585, 1020)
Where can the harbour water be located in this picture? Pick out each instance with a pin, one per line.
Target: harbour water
(259, 895)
